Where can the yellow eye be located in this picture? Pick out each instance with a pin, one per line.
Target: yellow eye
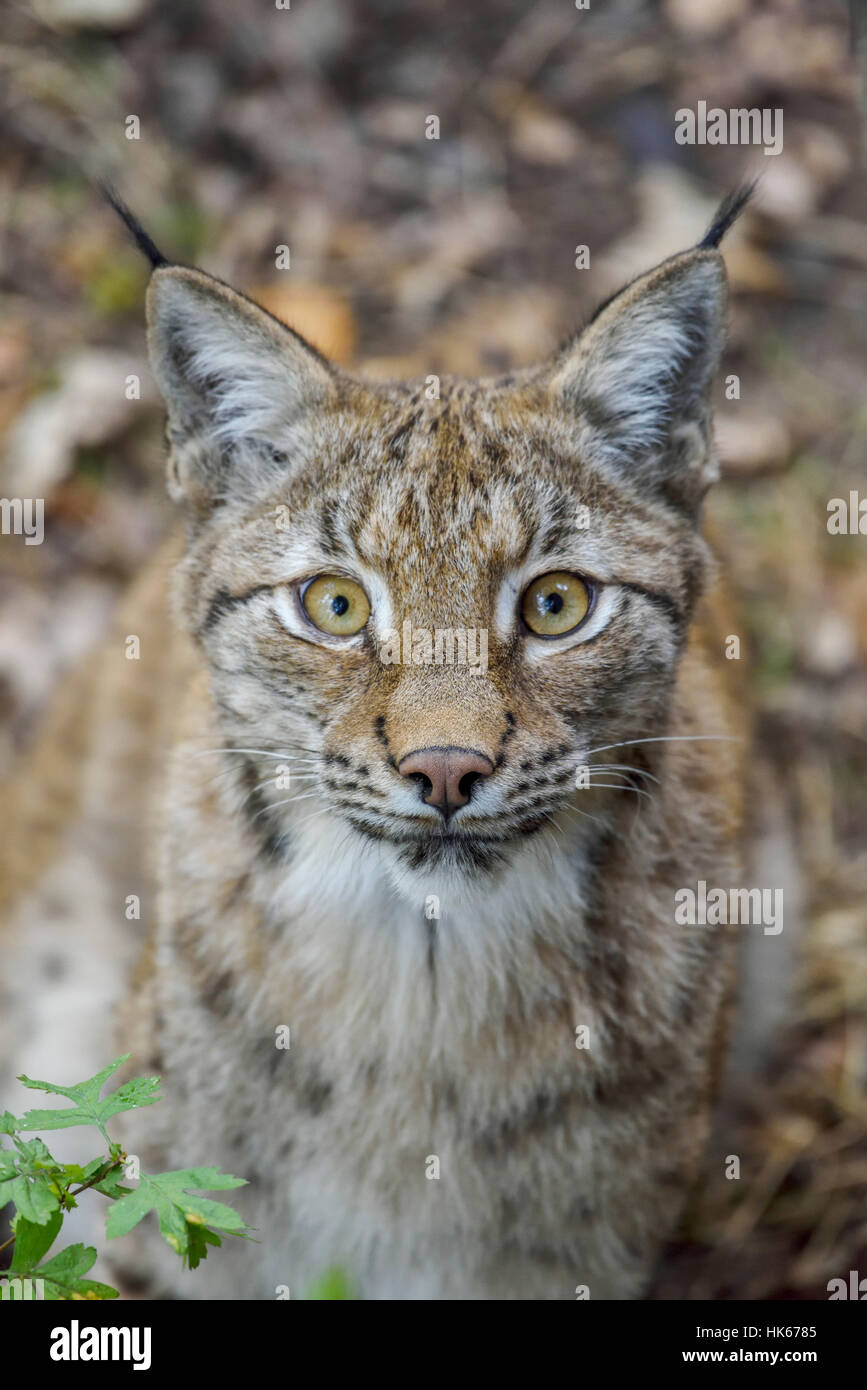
(335, 605)
(555, 603)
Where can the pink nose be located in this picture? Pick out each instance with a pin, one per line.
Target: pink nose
(446, 774)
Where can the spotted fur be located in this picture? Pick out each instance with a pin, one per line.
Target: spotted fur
(420, 1034)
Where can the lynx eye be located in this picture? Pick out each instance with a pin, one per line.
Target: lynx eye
(335, 605)
(555, 604)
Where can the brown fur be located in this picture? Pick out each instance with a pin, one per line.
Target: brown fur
(414, 1035)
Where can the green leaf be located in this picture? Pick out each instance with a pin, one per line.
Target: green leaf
(89, 1088)
(112, 1184)
(88, 1108)
(64, 1273)
(199, 1238)
(108, 1173)
(73, 1172)
(35, 1153)
(29, 1178)
(32, 1241)
(169, 1195)
(34, 1191)
(8, 1122)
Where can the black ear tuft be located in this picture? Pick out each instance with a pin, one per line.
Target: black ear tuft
(728, 211)
(142, 240)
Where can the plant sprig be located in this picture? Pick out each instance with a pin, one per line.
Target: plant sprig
(43, 1190)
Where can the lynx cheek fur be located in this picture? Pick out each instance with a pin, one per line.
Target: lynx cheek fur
(391, 858)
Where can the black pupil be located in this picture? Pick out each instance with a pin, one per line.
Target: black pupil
(339, 605)
(553, 603)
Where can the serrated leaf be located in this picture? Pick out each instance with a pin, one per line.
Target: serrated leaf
(32, 1241)
(64, 1275)
(73, 1172)
(8, 1122)
(28, 1177)
(199, 1238)
(89, 1089)
(112, 1185)
(88, 1108)
(35, 1196)
(34, 1153)
(177, 1206)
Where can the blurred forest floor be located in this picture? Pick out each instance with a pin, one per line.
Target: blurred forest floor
(262, 127)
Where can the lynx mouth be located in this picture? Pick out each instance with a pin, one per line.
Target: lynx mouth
(450, 850)
(465, 850)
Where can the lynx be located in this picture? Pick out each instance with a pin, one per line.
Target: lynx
(408, 957)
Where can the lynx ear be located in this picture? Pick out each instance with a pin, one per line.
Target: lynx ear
(236, 382)
(638, 377)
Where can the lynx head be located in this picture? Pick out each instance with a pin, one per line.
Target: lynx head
(427, 607)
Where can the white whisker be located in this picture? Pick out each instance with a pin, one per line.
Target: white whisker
(617, 787)
(263, 752)
(305, 819)
(666, 738)
(623, 767)
(272, 805)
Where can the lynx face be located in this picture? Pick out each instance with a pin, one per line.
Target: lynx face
(422, 616)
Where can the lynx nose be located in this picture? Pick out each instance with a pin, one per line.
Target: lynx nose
(446, 774)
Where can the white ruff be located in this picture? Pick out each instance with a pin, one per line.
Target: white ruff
(349, 903)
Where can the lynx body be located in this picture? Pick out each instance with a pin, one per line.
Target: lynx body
(448, 1029)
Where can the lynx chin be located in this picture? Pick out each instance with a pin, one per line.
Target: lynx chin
(287, 805)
